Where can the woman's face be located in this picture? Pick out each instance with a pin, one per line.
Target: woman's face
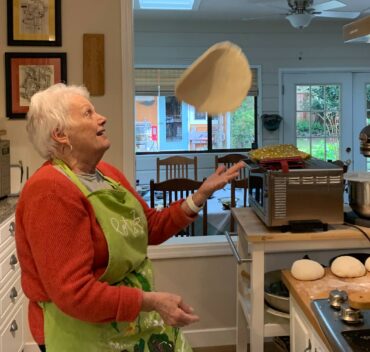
(87, 132)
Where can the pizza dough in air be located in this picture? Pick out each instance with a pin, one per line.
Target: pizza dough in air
(306, 269)
(218, 81)
(347, 266)
(367, 264)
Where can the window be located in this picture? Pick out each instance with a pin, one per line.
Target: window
(163, 124)
(318, 114)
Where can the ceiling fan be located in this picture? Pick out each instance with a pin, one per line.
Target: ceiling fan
(301, 12)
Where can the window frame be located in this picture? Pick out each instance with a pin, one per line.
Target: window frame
(257, 101)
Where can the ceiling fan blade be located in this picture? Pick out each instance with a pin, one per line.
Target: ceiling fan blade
(334, 4)
(335, 14)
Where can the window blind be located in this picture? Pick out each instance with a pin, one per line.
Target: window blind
(162, 81)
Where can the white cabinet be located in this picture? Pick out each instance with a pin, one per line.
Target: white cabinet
(11, 295)
(303, 337)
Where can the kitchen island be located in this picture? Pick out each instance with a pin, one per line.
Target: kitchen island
(265, 249)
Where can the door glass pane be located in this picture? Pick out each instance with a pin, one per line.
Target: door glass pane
(304, 144)
(318, 116)
(332, 148)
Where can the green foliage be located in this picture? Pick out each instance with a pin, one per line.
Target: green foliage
(242, 125)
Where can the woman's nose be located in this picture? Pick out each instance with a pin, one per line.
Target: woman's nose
(102, 119)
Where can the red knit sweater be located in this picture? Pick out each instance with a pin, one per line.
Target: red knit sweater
(62, 250)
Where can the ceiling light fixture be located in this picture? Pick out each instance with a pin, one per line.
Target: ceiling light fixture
(167, 4)
(299, 20)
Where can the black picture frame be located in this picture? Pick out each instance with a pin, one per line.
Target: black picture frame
(28, 73)
(34, 23)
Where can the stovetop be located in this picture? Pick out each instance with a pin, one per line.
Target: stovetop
(342, 336)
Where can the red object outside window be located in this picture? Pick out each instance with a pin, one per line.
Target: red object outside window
(155, 133)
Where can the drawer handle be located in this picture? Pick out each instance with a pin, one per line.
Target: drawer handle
(13, 326)
(12, 228)
(13, 293)
(13, 260)
(234, 250)
(309, 347)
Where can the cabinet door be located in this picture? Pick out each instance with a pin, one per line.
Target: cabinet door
(299, 336)
(317, 344)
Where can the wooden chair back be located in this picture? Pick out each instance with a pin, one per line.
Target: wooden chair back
(176, 189)
(229, 160)
(177, 167)
(243, 184)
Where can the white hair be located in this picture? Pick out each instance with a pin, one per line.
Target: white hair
(49, 111)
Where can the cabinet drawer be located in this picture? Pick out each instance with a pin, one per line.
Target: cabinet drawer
(10, 296)
(9, 263)
(12, 333)
(7, 230)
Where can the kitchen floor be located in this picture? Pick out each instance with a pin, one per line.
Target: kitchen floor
(269, 347)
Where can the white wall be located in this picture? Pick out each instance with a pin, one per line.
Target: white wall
(76, 21)
(272, 45)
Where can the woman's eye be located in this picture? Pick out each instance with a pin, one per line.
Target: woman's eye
(88, 113)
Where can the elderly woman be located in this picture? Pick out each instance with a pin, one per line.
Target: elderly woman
(82, 236)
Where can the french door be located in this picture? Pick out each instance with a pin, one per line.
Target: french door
(325, 112)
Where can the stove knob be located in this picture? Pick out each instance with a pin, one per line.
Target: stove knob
(337, 298)
(351, 315)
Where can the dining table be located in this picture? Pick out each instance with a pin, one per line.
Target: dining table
(218, 215)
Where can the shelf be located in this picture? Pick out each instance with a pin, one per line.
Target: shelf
(274, 325)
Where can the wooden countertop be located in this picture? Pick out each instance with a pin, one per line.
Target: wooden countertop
(256, 231)
(306, 291)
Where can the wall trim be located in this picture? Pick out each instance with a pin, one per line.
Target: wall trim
(211, 337)
(190, 247)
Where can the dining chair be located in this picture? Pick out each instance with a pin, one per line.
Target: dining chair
(177, 167)
(238, 184)
(231, 159)
(175, 189)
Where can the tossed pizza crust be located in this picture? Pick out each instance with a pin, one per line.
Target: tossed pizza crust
(218, 81)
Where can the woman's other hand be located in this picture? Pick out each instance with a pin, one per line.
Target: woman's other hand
(170, 307)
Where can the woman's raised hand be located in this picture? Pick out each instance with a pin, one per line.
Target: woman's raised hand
(217, 181)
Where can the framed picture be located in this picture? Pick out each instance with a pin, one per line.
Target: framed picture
(28, 73)
(34, 22)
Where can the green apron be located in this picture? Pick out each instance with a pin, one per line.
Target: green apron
(123, 222)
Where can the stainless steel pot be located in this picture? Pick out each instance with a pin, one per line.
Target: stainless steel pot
(275, 299)
(359, 192)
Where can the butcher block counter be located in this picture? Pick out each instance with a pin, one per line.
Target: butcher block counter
(261, 249)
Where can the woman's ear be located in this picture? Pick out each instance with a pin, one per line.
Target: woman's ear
(59, 136)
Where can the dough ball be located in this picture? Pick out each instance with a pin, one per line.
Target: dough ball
(347, 266)
(306, 269)
(367, 264)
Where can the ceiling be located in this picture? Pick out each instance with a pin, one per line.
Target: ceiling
(248, 10)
